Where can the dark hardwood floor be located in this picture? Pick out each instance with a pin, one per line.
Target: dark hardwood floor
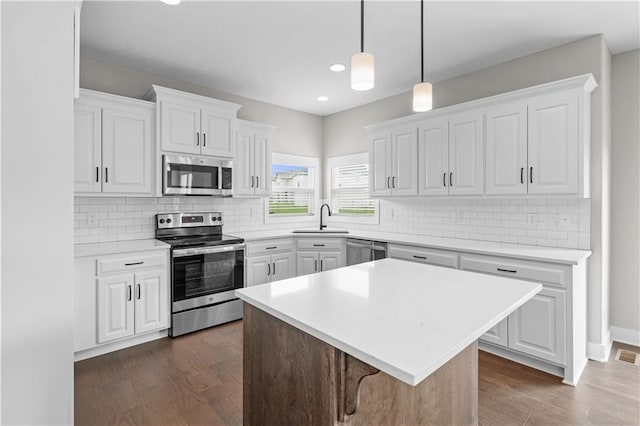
(197, 379)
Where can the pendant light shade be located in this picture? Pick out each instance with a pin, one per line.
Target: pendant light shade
(422, 92)
(362, 75)
(422, 97)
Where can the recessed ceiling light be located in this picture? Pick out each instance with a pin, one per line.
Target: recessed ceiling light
(337, 67)
(171, 2)
(322, 99)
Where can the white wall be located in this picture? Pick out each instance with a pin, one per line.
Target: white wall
(37, 209)
(625, 199)
(344, 134)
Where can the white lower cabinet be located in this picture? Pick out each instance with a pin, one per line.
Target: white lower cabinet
(317, 255)
(269, 261)
(538, 327)
(119, 296)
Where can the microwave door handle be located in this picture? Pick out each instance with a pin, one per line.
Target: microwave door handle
(220, 177)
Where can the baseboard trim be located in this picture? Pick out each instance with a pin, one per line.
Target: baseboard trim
(600, 351)
(120, 344)
(625, 335)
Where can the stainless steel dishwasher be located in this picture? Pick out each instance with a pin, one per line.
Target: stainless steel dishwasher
(359, 251)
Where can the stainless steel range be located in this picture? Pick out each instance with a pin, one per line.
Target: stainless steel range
(206, 269)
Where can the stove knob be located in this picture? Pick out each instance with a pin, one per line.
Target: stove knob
(161, 220)
(219, 219)
(169, 220)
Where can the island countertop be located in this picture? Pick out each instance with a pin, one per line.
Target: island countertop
(404, 318)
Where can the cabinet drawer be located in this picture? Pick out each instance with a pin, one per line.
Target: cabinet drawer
(422, 255)
(270, 246)
(120, 263)
(321, 244)
(540, 272)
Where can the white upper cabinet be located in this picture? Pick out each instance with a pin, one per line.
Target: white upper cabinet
(553, 144)
(506, 150)
(113, 145)
(393, 162)
(466, 153)
(433, 154)
(451, 155)
(252, 168)
(530, 141)
(87, 144)
(194, 124)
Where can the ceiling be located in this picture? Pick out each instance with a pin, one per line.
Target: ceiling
(280, 52)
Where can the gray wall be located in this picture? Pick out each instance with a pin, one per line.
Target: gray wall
(625, 207)
(37, 184)
(297, 133)
(344, 135)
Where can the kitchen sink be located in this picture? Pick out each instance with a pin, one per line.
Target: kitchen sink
(323, 231)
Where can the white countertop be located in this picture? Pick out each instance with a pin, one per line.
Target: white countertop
(404, 318)
(97, 249)
(517, 251)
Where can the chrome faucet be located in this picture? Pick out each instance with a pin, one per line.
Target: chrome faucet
(329, 209)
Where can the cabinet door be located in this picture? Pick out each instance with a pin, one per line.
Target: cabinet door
(466, 154)
(538, 327)
(404, 180)
(115, 308)
(433, 155)
(216, 136)
(553, 145)
(87, 157)
(151, 301)
(506, 152)
(498, 334)
(307, 263)
(179, 128)
(243, 171)
(126, 150)
(380, 164)
(262, 163)
(282, 266)
(258, 269)
(330, 260)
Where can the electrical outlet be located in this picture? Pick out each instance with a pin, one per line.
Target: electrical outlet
(563, 221)
(92, 219)
(532, 219)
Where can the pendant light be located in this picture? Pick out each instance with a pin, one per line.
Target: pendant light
(422, 92)
(362, 63)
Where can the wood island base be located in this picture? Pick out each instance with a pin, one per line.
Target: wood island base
(293, 378)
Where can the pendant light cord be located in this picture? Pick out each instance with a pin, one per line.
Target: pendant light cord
(361, 25)
(422, 41)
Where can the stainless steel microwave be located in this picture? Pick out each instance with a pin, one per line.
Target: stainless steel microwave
(185, 175)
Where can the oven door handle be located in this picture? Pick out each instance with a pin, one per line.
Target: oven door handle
(207, 250)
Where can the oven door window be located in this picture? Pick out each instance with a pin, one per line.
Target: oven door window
(205, 274)
(192, 176)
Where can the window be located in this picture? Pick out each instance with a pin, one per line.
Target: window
(348, 189)
(294, 182)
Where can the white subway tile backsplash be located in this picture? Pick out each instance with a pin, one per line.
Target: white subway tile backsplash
(500, 219)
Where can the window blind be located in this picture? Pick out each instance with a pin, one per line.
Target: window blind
(350, 190)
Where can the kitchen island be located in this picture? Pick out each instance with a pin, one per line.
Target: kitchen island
(383, 342)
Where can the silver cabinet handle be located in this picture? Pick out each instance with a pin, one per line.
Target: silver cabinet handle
(274, 268)
(444, 179)
(204, 139)
(106, 175)
(522, 175)
(315, 267)
(393, 182)
(318, 245)
(197, 138)
(139, 292)
(97, 173)
(133, 263)
(321, 266)
(129, 299)
(257, 182)
(388, 179)
(531, 174)
(451, 179)
(420, 257)
(268, 269)
(252, 181)
(511, 271)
